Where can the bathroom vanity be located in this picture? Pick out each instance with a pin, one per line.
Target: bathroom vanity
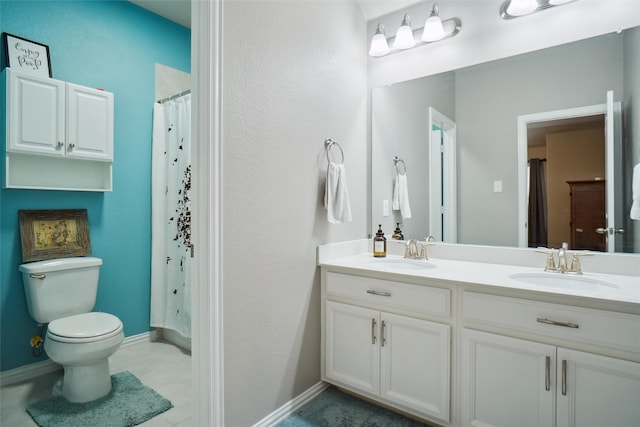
(463, 340)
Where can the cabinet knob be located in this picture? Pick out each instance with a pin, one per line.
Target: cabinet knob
(71, 146)
(60, 144)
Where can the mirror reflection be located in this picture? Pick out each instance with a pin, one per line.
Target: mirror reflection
(557, 99)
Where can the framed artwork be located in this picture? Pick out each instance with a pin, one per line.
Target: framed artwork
(48, 234)
(25, 55)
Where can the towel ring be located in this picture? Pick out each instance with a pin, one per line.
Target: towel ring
(328, 143)
(397, 160)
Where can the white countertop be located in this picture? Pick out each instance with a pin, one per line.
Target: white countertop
(626, 288)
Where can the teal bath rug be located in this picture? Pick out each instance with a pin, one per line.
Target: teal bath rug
(128, 404)
(334, 408)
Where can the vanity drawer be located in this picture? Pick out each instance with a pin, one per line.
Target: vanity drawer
(402, 296)
(585, 325)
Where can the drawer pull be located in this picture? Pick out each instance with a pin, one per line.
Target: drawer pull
(547, 373)
(556, 323)
(564, 377)
(373, 331)
(379, 293)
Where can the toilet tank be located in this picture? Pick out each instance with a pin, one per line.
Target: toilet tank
(61, 287)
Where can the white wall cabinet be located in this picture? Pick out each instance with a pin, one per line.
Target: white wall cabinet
(59, 135)
(402, 360)
(506, 378)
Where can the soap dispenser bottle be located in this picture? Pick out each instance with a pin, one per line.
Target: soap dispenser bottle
(379, 243)
(397, 233)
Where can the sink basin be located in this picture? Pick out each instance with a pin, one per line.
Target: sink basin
(399, 263)
(564, 281)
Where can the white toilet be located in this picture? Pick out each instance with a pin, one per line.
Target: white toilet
(62, 292)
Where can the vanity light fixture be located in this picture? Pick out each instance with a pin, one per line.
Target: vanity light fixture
(434, 29)
(404, 35)
(379, 44)
(515, 8)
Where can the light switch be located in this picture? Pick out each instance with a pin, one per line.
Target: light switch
(385, 208)
(497, 186)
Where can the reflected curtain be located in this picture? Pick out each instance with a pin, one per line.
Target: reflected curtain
(537, 204)
(171, 261)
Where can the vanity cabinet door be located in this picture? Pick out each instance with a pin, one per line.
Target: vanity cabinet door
(352, 352)
(506, 381)
(415, 364)
(89, 123)
(35, 114)
(596, 390)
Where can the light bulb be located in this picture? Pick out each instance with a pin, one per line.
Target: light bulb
(404, 35)
(433, 29)
(379, 45)
(521, 7)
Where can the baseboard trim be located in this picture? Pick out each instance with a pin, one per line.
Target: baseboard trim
(174, 338)
(291, 406)
(27, 372)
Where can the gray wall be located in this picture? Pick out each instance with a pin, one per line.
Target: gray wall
(400, 119)
(490, 97)
(294, 73)
(631, 122)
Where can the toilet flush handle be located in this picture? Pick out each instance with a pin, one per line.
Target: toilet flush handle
(40, 276)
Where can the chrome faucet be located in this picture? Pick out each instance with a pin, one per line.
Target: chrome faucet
(563, 266)
(416, 250)
(562, 257)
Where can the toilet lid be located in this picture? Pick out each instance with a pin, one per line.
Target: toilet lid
(85, 326)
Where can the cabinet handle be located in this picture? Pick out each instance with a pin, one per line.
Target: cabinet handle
(60, 144)
(373, 331)
(556, 323)
(547, 373)
(379, 293)
(564, 377)
(384, 325)
(71, 146)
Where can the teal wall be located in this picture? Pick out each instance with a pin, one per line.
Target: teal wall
(112, 45)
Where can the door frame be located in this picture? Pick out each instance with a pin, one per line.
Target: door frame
(442, 179)
(523, 122)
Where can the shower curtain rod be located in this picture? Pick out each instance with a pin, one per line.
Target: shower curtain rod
(177, 95)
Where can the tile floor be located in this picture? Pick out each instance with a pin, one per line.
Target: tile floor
(159, 365)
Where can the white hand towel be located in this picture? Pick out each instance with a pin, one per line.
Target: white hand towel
(401, 196)
(336, 196)
(635, 193)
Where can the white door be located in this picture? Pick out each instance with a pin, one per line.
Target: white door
(89, 123)
(506, 382)
(596, 391)
(35, 114)
(614, 179)
(443, 214)
(352, 351)
(414, 364)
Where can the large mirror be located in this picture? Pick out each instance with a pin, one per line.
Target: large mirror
(486, 102)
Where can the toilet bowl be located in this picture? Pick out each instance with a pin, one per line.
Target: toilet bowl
(62, 293)
(82, 344)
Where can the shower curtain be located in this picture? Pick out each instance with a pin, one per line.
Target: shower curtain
(171, 261)
(537, 204)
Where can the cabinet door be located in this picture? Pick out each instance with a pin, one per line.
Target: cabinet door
(89, 123)
(506, 381)
(352, 352)
(597, 391)
(35, 114)
(414, 362)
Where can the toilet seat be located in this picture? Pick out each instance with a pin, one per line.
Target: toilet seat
(83, 328)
